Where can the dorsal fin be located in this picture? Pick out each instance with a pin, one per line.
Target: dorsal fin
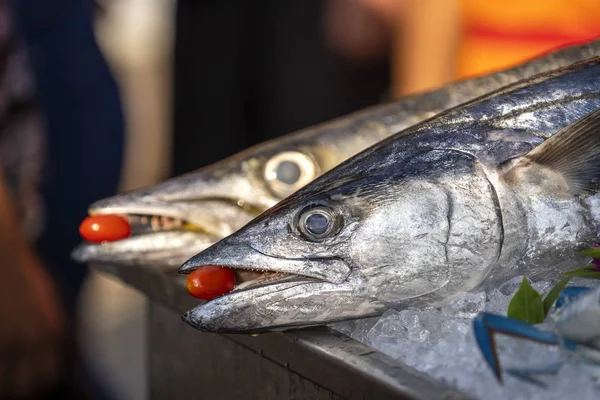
(571, 157)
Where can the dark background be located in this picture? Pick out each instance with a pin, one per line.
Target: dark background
(249, 71)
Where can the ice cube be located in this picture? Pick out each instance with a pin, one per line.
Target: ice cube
(509, 287)
(497, 302)
(421, 325)
(357, 329)
(543, 287)
(465, 305)
(390, 325)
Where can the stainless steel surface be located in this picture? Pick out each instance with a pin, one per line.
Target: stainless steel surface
(327, 359)
(215, 367)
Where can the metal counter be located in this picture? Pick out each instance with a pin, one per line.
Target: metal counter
(316, 363)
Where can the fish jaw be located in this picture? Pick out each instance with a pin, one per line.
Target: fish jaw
(166, 250)
(304, 292)
(282, 306)
(216, 217)
(171, 232)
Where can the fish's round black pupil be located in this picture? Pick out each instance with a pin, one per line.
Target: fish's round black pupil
(288, 172)
(317, 223)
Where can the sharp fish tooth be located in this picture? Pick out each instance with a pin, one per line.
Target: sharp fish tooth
(166, 222)
(155, 223)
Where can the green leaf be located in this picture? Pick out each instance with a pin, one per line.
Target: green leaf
(593, 252)
(526, 305)
(553, 294)
(584, 272)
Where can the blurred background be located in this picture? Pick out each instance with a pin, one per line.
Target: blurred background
(201, 80)
(137, 38)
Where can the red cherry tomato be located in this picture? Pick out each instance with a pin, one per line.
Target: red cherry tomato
(210, 282)
(104, 228)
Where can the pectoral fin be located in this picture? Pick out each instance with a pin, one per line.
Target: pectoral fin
(569, 161)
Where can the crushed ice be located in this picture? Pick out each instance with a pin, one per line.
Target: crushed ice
(440, 343)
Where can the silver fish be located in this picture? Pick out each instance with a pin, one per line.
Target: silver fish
(217, 200)
(473, 197)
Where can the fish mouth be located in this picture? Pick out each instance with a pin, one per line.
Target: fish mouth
(241, 256)
(241, 310)
(154, 240)
(213, 216)
(144, 224)
(264, 284)
(261, 294)
(163, 233)
(250, 276)
(248, 279)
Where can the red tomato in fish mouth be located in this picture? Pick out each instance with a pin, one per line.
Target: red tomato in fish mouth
(104, 228)
(210, 282)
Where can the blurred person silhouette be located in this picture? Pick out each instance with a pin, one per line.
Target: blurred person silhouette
(248, 71)
(61, 138)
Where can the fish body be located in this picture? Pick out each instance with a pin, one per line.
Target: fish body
(217, 200)
(501, 186)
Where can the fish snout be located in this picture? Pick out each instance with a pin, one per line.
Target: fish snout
(240, 255)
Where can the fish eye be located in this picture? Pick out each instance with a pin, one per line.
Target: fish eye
(318, 222)
(288, 171)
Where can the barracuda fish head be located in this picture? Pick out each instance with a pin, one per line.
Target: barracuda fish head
(474, 195)
(178, 218)
(349, 250)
